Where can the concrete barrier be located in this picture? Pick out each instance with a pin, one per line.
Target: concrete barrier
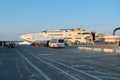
(105, 50)
(88, 48)
(108, 50)
(97, 49)
(81, 48)
(117, 51)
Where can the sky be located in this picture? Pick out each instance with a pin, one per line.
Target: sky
(19, 17)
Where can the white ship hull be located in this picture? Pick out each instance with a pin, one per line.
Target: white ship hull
(68, 34)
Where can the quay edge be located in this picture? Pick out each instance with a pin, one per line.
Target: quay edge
(103, 50)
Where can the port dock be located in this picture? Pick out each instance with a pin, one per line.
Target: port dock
(43, 63)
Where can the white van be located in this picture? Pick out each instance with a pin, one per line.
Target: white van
(57, 43)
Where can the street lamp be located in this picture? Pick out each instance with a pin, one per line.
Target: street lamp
(119, 41)
(118, 28)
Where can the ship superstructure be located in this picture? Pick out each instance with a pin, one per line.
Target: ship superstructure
(68, 34)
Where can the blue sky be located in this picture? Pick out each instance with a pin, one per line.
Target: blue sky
(30, 16)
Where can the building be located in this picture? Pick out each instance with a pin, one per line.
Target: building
(111, 39)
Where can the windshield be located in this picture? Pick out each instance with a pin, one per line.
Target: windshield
(61, 41)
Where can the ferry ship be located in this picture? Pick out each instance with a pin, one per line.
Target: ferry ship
(78, 34)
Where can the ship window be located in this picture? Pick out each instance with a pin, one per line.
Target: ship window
(86, 33)
(68, 38)
(77, 38)
(55, 34)
(54, 31)
(78, 33)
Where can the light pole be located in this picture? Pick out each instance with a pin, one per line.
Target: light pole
(118, 28)
(119, 41)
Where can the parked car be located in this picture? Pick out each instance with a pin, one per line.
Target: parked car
(57, 43)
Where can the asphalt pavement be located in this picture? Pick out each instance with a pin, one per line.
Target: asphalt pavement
(43, 63)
